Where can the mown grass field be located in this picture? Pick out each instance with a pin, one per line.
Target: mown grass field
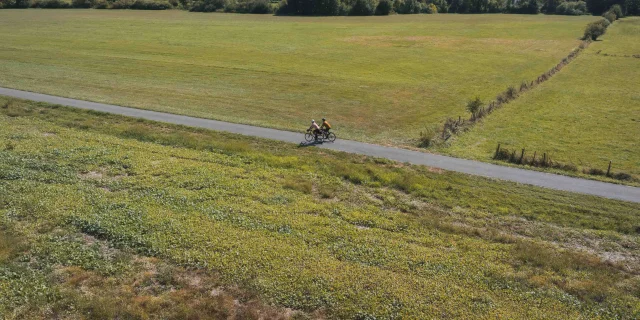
(117, 217)
(377, 79)
(587, 114)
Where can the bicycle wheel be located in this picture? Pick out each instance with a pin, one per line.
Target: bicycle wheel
(331, 137)
(308, 136)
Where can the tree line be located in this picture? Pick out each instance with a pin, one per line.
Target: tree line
(347, 7)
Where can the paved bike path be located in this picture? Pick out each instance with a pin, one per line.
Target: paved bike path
(541, 179)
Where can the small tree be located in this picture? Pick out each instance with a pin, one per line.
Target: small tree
(595, 29)
(384, 8)
(363, 8)
(473, 106)
(429, 8)
(617, 9)
(610, 16)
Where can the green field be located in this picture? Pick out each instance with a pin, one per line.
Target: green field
(105, 217)
(377, 79)
(587, 114)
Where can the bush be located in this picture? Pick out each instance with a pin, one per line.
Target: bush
(122, 4)
(595, 29)
(300, 7)
(532, 7)
(473, 106)
(429, 8)
(427, 137)
(81, 3)
(384, 8)
(441, 5)
(17, 4)
(7, 4)
(208, 5)
(406, 6)
(363, 8)
(622, 176)
(617, 9)
(258, 7)
(282, 8)
(51, 4)
(100, 4)
(572, 8)
(151, 5)
(327, 7)
(610, 16)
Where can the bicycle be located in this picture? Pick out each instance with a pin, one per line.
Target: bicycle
(322, 136)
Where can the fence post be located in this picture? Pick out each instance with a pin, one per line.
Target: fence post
(497, 151)
(533, 162)
(609, 169)
(544, 159)
(521, 156)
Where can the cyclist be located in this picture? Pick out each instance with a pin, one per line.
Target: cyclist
(325, 126)
(315, 128)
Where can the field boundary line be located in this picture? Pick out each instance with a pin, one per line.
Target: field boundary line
(471, 167)
(452, 126)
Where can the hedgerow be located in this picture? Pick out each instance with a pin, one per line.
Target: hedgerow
(571, 8)
(344, 7)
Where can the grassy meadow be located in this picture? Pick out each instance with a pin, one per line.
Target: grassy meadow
(105, 217)
(377, 79)
(587, 114)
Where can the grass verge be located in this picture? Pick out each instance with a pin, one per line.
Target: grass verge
(369, 239)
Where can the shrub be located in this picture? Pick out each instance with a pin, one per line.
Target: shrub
(595, 172)
(261, 7)
(283, 8)
(18, 4)
(617, 9)
(122, 4)
(100, 4)
(327, 7)
(150, 5)
(81, 3)
(493, 6)
(301, 7)
(610, 16)
(51, 4)
(524, 7)
(532, 7)
(208, 5)
(406, 6)
(572, 8)
(384, 8)
(429, 8)
(595, 29)
(427, 137)
(251, 6)
(511, 93)
(622, 176)
(473, 106)
(363, 8)
(441, 5)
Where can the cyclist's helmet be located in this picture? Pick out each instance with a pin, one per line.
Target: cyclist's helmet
(313, 121)
(323, 119)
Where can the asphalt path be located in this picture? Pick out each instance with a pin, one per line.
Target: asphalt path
(536, 178)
